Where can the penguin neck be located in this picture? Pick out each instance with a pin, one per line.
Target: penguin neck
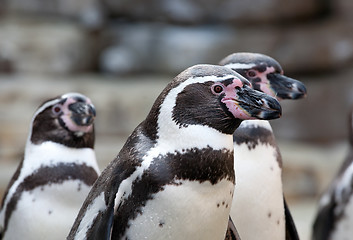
(256, 123)
(193, 136)
(51, 153)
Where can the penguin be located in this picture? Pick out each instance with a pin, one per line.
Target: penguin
(174, 177)
(334, 218)
(57, 171)
(259, 210)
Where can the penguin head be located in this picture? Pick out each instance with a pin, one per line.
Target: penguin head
(68, 119)
(213, 96)
(265, 74)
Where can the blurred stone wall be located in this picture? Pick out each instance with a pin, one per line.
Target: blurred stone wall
(306, 36)
(312, 39)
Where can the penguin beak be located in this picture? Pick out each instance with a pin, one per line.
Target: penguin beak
(285, 87)
(256, 104)
(83, 114)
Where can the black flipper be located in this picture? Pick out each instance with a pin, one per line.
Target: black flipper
(108, 183)
(291, 230)
(232, 233)
(326, 216)
(324, 220)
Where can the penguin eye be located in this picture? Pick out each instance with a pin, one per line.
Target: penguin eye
(217, 89)
(57, 109)
(251, 73)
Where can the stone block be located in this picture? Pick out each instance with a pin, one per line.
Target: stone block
(156, 47)
(317, 47)
(29, 45)
(88, 12)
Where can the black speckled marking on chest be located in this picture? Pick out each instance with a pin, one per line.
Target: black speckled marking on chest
(50, 175)
(193, 165)
(252, 136)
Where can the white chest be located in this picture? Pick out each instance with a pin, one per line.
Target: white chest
(191, 210)
(47, 212)
(257, 208)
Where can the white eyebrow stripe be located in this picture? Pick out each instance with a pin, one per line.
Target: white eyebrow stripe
(240, 65)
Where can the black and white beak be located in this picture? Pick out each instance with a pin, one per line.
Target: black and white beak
(257, 104)
(83, 114)
(285, 87)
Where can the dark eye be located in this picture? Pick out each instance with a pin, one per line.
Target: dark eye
(217, 88)
(57, 109)
(251, 73)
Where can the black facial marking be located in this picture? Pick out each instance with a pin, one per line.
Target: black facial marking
(256, 84)
(79, 99)
(228, 81)
(47, 176)
(47, 127)
(194, 165)
(197, 105)
(260, 68)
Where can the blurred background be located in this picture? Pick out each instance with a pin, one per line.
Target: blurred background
(122, 53)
